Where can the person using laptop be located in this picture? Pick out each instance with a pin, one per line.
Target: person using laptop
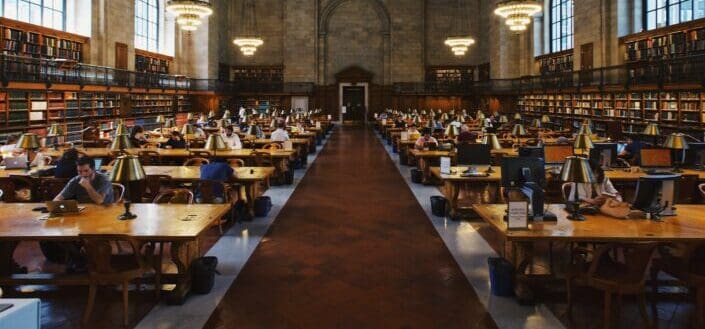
(280, 135)
(231, 138)
(426, 140)
(631, 151)
(467, 136)
(137, 137)
(176, 141)
(89, 186)
(9, 145)
(598, 193)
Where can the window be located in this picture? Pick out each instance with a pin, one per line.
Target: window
(48, 13)
(561, 25)
(660, 13)
(147, 25)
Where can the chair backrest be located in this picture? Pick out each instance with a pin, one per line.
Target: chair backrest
(154, 184)
(29, 183)
(701, 188)
(686, 186)
(637, 257)
(199, 154)
(196, 162)
(262, 158)
(118, 192)
(149, 157)
(273, 146)
(175, 196)
(6, 184)
(206, 191)
(49, 188)
(99, 252)
(237, 163)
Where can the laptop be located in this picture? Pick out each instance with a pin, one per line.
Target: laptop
(66, 207)
(16, 163)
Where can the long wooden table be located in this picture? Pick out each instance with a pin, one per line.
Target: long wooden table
(181, 225)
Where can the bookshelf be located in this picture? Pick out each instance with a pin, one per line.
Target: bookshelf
(24, 39)
(673, 110)
(667, 43)
(149, 62)
(555, 62)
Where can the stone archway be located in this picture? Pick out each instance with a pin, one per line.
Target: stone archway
(381, 28)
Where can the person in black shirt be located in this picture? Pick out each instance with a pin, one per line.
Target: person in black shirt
(176, 141)
(66, 166)
(137, 137)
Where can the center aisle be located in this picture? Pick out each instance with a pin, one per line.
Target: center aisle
(352, 248)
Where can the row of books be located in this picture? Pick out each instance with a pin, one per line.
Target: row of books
(556, 64)
(666, 46)
(151, 65)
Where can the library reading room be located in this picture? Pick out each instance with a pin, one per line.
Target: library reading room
(352, 164)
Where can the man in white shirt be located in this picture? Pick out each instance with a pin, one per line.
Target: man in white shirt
(231, 139)
(9, 146)
(280, 135)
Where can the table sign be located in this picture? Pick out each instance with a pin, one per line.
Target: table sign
(445, 165)
(384, 122)
(318, 125)
(288, 145)
(330, 117)
(344, 110)
(517, 215)
(404, 136)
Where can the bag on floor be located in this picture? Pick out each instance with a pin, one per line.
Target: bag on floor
(501, 276)
(289, 177)
(438, 206)
(203, 274)
(416, 176)
(263, 205)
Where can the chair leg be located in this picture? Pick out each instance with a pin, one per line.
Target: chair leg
(125, 303)
(607, 310)
(700, 308)
(569, 294)
(642, 310)
(158, 271)
(92, 287)
(654, 293)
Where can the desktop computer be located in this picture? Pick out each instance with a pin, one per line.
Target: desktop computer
(656, 194)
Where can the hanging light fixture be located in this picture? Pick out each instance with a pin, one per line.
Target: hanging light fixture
(189, 13)
(518, 13)
(460, 39)
(247, 39)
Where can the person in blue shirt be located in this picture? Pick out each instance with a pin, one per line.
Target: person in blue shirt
(89, 186)
(216, 170)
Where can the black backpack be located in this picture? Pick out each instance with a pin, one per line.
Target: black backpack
(203, 274)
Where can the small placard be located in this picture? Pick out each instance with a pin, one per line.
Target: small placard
(318, 125)
(330, 117)
(384, 122)
(376, 115)
(445, 165)
(517, 215)
(288, 145)
(344, 110)
(404, 136)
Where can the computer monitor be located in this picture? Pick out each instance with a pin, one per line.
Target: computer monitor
(520, 170)
(656, 158)
(695, 155)
(98, 163)
(656, 191)
(604, 154)
(474, 154)
(556, 154)
(531, 152)
(621, 147)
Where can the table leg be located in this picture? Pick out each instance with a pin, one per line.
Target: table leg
(452, 193)
(522, 253)
(7, 249)
(424, 167)
(182, 254)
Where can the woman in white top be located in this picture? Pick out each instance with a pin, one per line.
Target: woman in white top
(595, 194)
(231, 139)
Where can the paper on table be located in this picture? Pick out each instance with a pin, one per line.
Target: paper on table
(288, 146)
(404, 136)
(445, 165)
(518, 214)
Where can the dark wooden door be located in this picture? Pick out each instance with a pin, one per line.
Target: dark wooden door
(120, 56)
(586, 65)
(354, 101)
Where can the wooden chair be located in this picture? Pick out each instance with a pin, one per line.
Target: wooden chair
(688, 268)
(106, 268)
(686, 186)
(174, 196)
(6, 184)
(701, 188)
(206, 195)
(154, 184)
(262, 159)
(118, 192)
(21, 182)
(49, 188)
(273, 146)
(196, 162)
(149, 158)
(614, 276)
(200, 154)
(238, 163)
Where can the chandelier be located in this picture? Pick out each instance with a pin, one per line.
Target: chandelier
(518, 13)
(460, 40)
(189, 12)
(247, 39)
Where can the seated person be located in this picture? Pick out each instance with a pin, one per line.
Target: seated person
(40, 159)
(202, 120)
(89, 186)
(231, 139)
(66, 166)
(414, 133)
(9, 145)
(467, 136)
(632, 150)
(598, 193)
(137, 137)
(280, 135)
(399, 122)
(426, 140)
(217, 170)
(176, 141)
(199, 132)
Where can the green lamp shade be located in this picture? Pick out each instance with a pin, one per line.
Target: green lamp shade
(121, 142)
(127, 168)
(451, 131)
(652, 130)
(676, 141)
(492, 140)
(215, 142)
(28, 141)
(54, 130)
(577, 170)
(583, 142)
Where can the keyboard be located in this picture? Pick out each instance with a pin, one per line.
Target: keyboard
(657, 171)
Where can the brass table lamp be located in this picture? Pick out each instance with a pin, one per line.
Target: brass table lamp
(216, 143)
(54, 132)
(451, 131)
(582, 145)
(188, 131)
(28, 142)
(127, 169)
(678, 143)
(536, 123)
(652, 130)
(121, 143)
(576, 170)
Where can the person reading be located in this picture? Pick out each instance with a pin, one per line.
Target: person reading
(231, 139)
(280, 135)
(89, 186)
(598, 193)
(176, 141)
(426, 140)
(216, 170)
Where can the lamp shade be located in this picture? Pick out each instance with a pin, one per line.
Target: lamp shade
(545, 119)
(652, 130)
(676, 141)
(583, 142)
(585, 129)
(577, 170)
(127, 168)
(121, 130)
(121, 142)
(222, 123)
(587, 122)
(203, 118)
(54, 130)
(254, 130)
(211, 114)
(28, 141)
(189, 116)
(503, 119)
(226, 114)
(480, 116)
(517, 116)
(451, 131)
(519, 130)
(170, 123)
(160, 119)
(444, 117)
(492, 140)
(215, 142)
(536, 123)
(187, 130)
